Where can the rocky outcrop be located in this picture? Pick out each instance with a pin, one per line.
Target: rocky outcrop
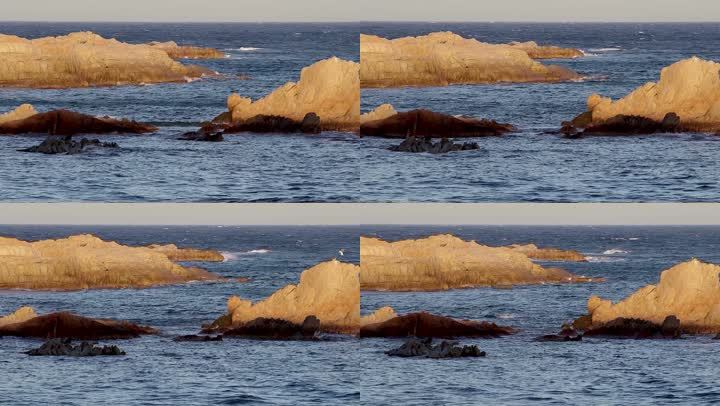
(444, 58)
(381, 112)
(197, 338)
(64, 122)
(425, 349)
(689, 89)
(548, 254)
(310, 124)
(83, 59)
(329, 88)
(277, 329)
(536, 51)
(63, 347)
(176, 254)
(65, 145)
(176, 51)
(429, 325)
(203, 136)
(20, 113)
(87, 262)
(378, 316)
(18, 316)
(419, 145)
(623, 125)
(637, 329)
(329, 291)
(446, 262)
(426, 123)
(68, 325)
(689, 291)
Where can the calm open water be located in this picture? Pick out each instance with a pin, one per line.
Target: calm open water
(532, 166)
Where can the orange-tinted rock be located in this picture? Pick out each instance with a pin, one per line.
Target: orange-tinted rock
(548, 254)
(187, 254)
(64, 122)
(68, 325)
(426, 123)
(429, 325)
(536, 51)
(176, 51)
(378, 316)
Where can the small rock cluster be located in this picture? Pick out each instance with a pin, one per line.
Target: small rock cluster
(424, 348)
(64, 347)
(414, 144)
(65, 145)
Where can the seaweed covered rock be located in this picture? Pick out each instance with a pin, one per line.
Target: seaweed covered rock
(64, 122)
(426, 123)
(424, 324)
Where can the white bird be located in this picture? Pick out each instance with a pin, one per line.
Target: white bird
(341, 252)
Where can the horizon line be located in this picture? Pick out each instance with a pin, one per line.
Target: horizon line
(367, 21)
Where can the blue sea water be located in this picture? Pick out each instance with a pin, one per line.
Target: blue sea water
(244, 168)
(158, 371)
(530, 165)
(519, 371)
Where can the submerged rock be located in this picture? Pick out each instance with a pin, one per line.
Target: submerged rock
(87, 262)
(64, 122)
(201, 135)
(197, 338)
(310, 124)
(65, 145)
(413, 144)
(277, 329)
(64, 347)
(68, 325)
(444, 58)
(329, 88)
(446, 262)
(424, 324)
(423, 348)
(83, 59)
(426, 123)
(568, 333)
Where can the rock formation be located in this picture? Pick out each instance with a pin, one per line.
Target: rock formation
(83, 59)
(536, 51)
(329, 291)
(378, 316)
(176, 254)
(64, 122)
(197, 338)
(68, 325)
(420, 145)
(310, 124)
(202, 136)
(18, 316)
(87, 262)
(622, 125)
(445, 262)
(444, 58)
(636, 329)
(329, 88)
(689, 291)
(426, 123)
(689, 89)
(176, 51)
(276, 329)
(429, 325)
(65, 145)
(424, 349)
(382, 111)
(548, 254)
(63, 347)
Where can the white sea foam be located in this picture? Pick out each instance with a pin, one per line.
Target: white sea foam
(244, 49)
(601, 258)
(603, 50)
(234, 256)
(614, 251)
(505, 316)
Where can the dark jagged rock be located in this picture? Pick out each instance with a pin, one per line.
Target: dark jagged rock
(64, 122)
(277, 329)
(429, 325)
(262, 123)
(568, 333)
(637, 329)
(64, 347)
(414, 144)
(621, 125)
(197, 338)
(423, 348)
(202, 136)
(426, 123)
(65, 145)
(68, 325)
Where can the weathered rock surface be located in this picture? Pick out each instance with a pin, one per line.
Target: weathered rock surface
(419, 145)
(65, 145)
(444, 58)
(690, 89)
(429, 325)
(64, 122)
(329, 291)
(176, 254)
(83, 59)
(64, 347)
(637, 329)
(68, 325)
(310, 124)
(425, 349)
(87, 262)
(426, 123)
(176, 51)
(445, 262)
(277, 329)
(329, 88)
(548, 254)
(689, 291)
(536, 51)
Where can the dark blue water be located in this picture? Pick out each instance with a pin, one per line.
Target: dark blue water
(158, 371)
(519, 371)
(532, 166)
(160, 168)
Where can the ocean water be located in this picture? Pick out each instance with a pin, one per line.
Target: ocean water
(519, 371)
(531, 165)
(244, 168)
(158, 371)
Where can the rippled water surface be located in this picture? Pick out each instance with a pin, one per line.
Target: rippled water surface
(519, 371)
(158, 371)
(157, 167)
(533, 166)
